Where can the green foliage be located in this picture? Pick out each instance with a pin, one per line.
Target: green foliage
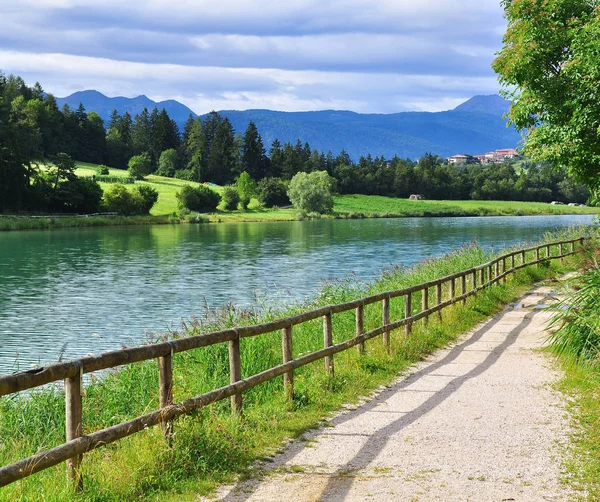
(578, 333)
(550, 68)
(102, 170)
(186, 174)
(126, 202)
(140, 166)
(311, 193)
(246, 188)
(272, 192)
(201, 199)
(230, 197)
(168, 163)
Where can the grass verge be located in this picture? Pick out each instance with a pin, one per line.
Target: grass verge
(210, 447)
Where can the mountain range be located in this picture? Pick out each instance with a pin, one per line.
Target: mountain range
(474, 127)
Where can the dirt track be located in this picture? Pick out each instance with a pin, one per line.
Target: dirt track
(477, 421)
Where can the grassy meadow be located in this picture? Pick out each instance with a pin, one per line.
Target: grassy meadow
(210, 447)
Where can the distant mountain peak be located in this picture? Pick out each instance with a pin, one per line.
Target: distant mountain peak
(492, 104)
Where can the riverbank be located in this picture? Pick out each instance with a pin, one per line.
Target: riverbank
(211, 447)
(346, 207)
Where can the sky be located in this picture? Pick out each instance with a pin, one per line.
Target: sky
(369, 56)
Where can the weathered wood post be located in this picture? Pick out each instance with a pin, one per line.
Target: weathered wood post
(523, 257)
(438, 298)
(385, 314)
(288, 355)
(548, 251)
(482, 276)
(425, 304)
(496, 268)
(572, 246)
(74, 424)
(512, 260)
(452, 290)
(328, 342)
(474, 280)
(360, 326)
(490, 276)
(537, 254)
(235, 373)
(463, 288)
(562, 252)
(165, 385)
(408, 313)
(503, 270)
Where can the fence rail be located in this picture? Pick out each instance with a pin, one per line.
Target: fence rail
(71, 372)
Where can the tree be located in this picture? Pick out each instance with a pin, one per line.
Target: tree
(550, 68)
(246, 188)
(140, 166)
(311, 192)
(272, 192)
(201, 199)
(167, 164)
(253, 153)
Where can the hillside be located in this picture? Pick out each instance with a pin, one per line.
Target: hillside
(474, 127)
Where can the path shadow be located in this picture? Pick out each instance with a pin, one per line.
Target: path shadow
(338, 487)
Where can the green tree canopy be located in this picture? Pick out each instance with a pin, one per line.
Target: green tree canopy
(550, 67)
(311, 192)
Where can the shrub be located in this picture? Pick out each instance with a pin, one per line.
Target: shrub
(102, 170)
(272, 192)
(230, 197)
(139, 166)
(201, 199)
(311, 193)
(127, 203)
(246, 187)
(186, 174)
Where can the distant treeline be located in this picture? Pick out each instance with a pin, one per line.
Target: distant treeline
(32, 128)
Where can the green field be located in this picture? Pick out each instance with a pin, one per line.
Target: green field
(346, 206)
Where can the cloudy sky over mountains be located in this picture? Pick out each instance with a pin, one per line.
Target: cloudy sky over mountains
(379, 56)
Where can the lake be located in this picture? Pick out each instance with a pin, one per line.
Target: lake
(80, 291)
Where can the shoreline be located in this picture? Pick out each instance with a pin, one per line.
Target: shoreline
(11, 223)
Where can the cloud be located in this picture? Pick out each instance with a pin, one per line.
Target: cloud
(365, 55)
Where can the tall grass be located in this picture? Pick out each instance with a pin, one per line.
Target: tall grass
(210, 446)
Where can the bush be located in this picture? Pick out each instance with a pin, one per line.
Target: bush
(102, 171)
(246, 187)
(230, 197)
(140, 200)
(311, 193)
(139, 166)
(272, 192)
(186, 174)
(201, 199)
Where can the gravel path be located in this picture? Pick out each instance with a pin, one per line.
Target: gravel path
(477, 421)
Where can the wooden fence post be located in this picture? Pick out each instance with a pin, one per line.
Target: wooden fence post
(490, 276)
(474, 280)
(288, 355)
(438, 298)
(504, 270)
(328, 342)
(452, 290)
(548, 251)
(360, 326)
(482, 276)
(385, 313)
(523, 257)
(537, 254)
(425, 304)
(165, 385)
(573, 247)
(496, 268)
(235, 373)
(512, 260)
(408, 313)
(74, 424)
(463, 287)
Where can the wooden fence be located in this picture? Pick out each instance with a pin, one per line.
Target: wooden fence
(469, 281)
